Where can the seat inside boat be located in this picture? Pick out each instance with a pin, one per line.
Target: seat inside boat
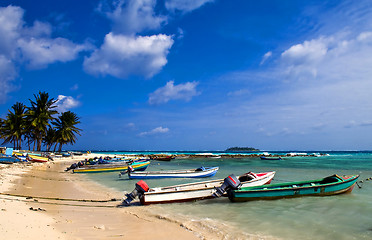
(246, 177)
(330, 179)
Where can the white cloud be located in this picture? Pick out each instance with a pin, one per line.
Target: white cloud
(265, 57)
(133, 16)
(65, 103)
(7, 74)
(121, 55)
(11, 24)
(308, 52)
(155, 131)
(185, 5)
(32, 45)
(43, 51)
(174, 92)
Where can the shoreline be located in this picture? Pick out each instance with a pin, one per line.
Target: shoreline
(47, 184)
(64, 205)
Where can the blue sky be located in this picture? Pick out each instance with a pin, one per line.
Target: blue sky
(196, 74)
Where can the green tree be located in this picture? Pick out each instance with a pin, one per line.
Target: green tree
(66, 129)
(39, 115)
(50, 139)
(13, 127)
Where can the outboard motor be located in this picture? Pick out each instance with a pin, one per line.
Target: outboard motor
(231, 182)
(73, 166)
(141, 188)
(130, 170)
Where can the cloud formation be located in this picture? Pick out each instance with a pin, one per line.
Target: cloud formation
(185, 91)
(155, 131)
(321, 85)
(133, 16)
(33, 46)
(265, 57)
(65, 103)
(121, 56)
(185, 5)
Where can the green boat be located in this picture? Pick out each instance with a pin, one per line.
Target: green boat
(327, 186)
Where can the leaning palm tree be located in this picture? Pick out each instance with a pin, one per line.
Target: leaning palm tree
(39, 116)
(65, 128)
(13, 127)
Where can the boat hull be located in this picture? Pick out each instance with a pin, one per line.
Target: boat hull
(9, 160)
(138, 166)
(192, 173)
(295, 189)
(195, 191)
(35, 158)
(270, 158)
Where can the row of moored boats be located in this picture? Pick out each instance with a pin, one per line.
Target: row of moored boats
(246, 187)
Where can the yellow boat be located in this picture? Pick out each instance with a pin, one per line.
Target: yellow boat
(112, 167)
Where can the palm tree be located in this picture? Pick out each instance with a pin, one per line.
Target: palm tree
(13, 127)
(39, 116)
(66, 129)
(2, 126)
(50, 139)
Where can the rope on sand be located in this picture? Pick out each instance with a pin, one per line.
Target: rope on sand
(60, 204)
(62, 199)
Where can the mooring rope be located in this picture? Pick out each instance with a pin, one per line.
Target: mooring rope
(60, 199)
(62, 204)
(362, 181)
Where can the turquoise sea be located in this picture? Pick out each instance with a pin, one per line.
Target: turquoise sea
(347, 216)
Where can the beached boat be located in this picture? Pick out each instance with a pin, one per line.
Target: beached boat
(32, 157)
(331, 185)
(270, 158)
(35, 158)
(111, 167)
(9, 160)
(199, 190)
(161, 157)
(189, 173)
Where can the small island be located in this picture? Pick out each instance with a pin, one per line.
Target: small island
(242, 149)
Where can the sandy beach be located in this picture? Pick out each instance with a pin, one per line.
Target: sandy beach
(41, 201)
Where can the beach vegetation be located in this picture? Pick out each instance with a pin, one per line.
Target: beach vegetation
(242, 149)
(39, 115)
(39, 125)
(13, 126)
(66, 129)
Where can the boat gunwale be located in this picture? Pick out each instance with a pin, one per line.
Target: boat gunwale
(207, 169)
(261, 188)
(109, 169)
(172, 189)
(320, 194)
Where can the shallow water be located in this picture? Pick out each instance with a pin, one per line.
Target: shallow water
(347, 216)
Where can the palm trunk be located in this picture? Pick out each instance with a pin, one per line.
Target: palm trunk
(55, 146)
(39, 144)
(60, 147)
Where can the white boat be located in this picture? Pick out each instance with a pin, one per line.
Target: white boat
(199, 190)
(189, 173)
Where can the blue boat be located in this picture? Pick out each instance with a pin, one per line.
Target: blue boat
(189, 173)
(8, 160)
(327, 186)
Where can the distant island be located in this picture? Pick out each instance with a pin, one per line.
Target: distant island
(242, 149)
